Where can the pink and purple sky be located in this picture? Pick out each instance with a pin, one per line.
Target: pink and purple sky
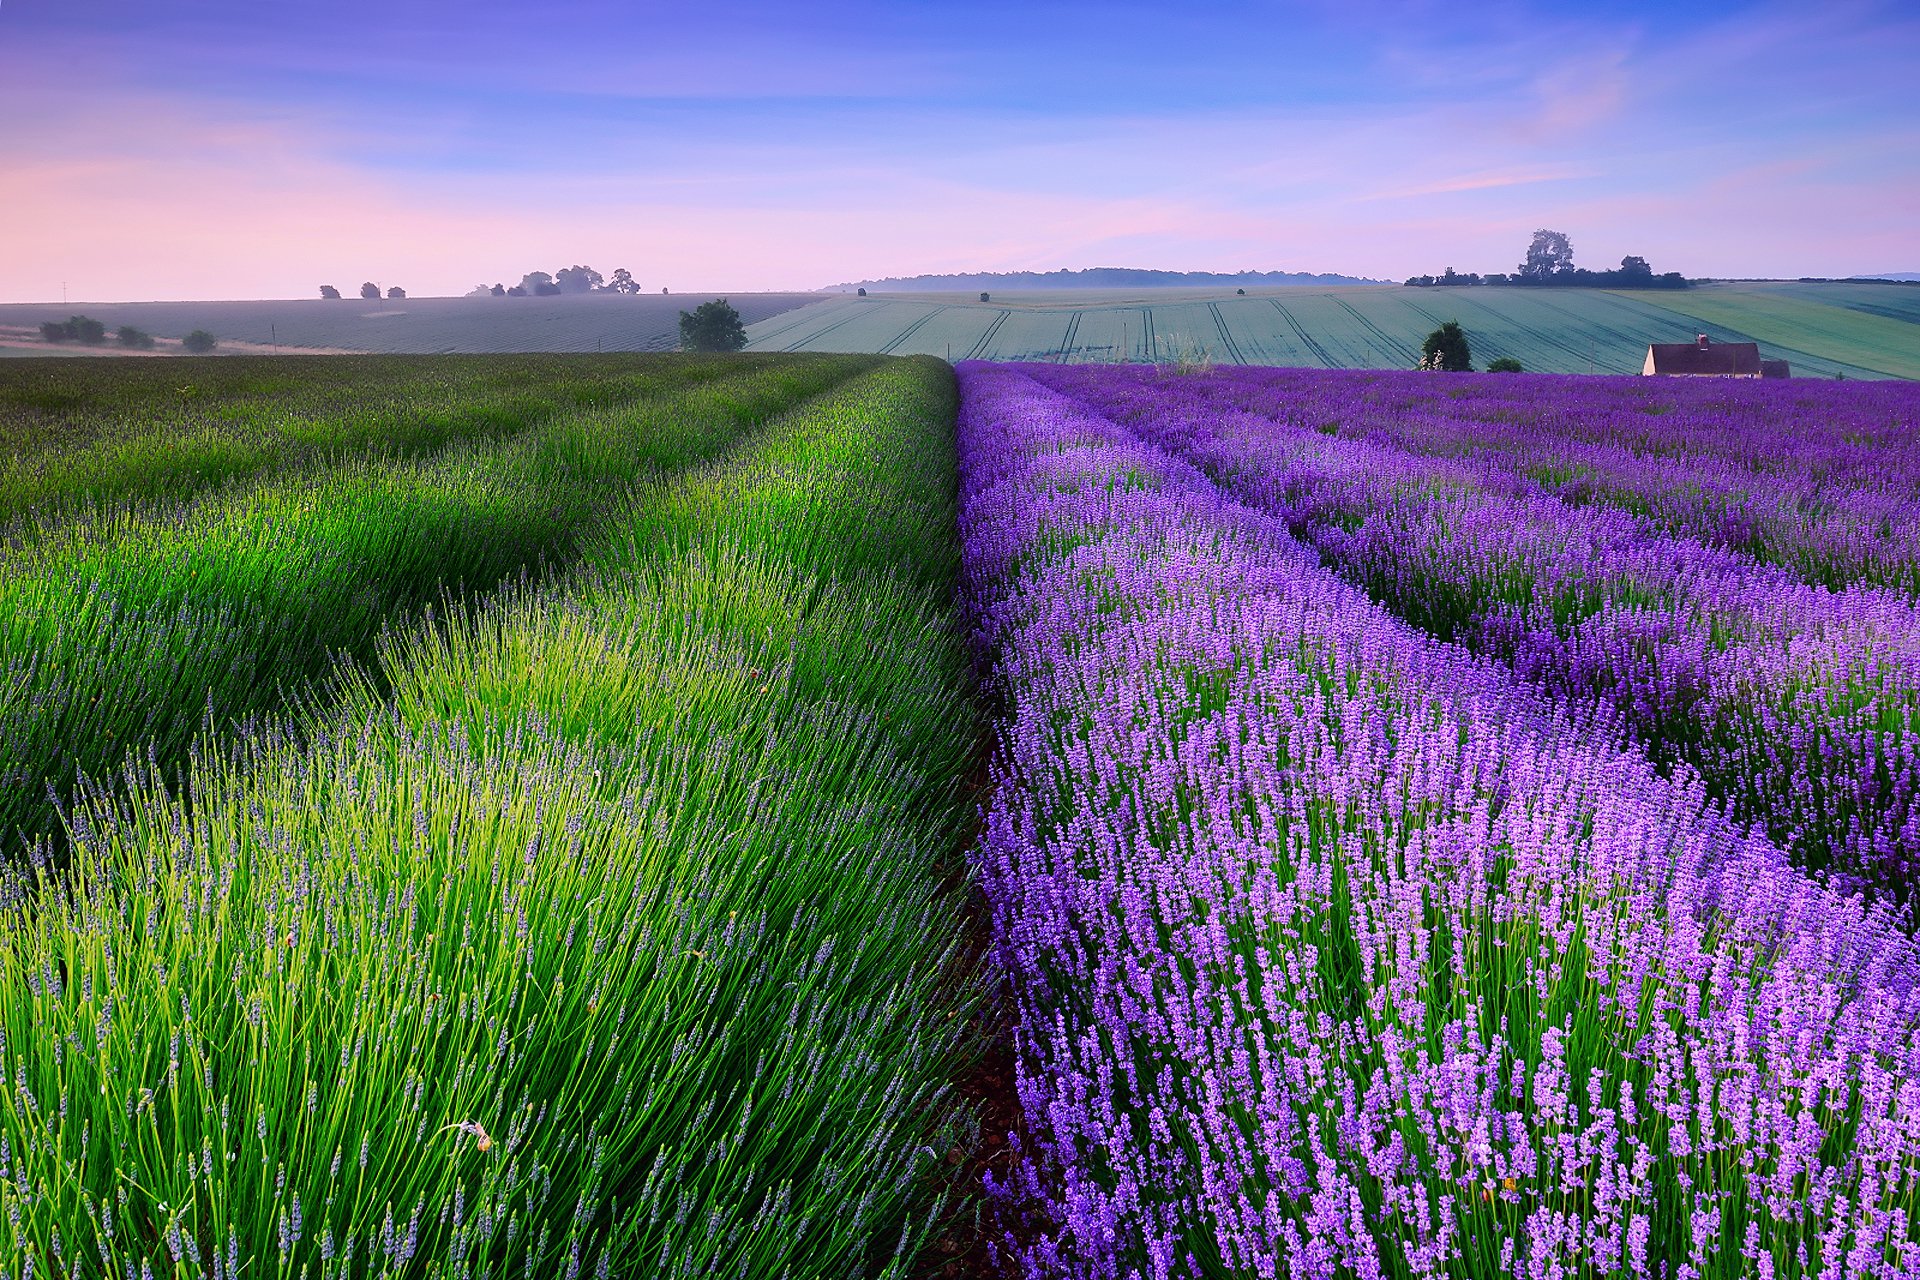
(229, 149)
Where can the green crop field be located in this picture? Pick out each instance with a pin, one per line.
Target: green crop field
(419, 326)
(472, 840)
(1853, 330)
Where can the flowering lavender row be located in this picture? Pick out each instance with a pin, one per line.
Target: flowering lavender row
(1821, 478)
(1336, 951)
(1799, 705)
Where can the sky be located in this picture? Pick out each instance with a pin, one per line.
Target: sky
(236, 149)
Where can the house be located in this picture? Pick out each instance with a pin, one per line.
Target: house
(1704, 358)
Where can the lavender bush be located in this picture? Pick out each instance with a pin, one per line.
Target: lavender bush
(1798, 704)
(1337, 951)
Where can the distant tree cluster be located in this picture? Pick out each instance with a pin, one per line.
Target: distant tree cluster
(574, 279)
(369, 290)
(82, 329)
(535, 284)
(1549, 262)
(93, 333)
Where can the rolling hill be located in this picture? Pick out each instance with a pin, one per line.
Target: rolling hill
(1853, 330)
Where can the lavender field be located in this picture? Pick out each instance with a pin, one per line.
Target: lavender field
(1450, 826)
(832, 816)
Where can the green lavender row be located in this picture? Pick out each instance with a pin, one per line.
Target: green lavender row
(134, 632)
(608, 931)
(76, 434)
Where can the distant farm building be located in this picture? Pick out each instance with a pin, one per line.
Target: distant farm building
(1705, 358)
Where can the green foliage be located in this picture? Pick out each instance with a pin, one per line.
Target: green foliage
(129, 630)
(604, 924)
(1550, 254)
(712, 326)
(578, 279)
(330, 293)
(75, 433)
(199, 342)
(139, 339)
(1446, 350)
(1505, 364)
(74, 329)
(370, 291)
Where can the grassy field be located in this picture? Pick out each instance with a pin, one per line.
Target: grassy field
(1858, 331)
(414, 326)
(550, 937)
(137, 626)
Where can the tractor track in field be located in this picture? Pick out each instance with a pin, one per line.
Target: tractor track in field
(1149, 344)
(1389, 343)
(787, 328)
(910, 330)
(1073, 334)
(1306, 339)
(985, 341)
(1220, 322)
(821, 333)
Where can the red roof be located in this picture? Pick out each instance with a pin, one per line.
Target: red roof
(1701, 356)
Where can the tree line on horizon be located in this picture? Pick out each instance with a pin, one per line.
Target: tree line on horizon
(1549, 262)
(534, 284)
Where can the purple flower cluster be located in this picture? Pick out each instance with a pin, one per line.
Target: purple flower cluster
(1820, 477)
(1337, 951)
(1800, 705)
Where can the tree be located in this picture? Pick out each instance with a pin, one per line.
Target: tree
(1505, 364)
(623, 282)
(577, 279)
(861, 291)
(370, 290)
(330, 293)
(984, 296)
(54, 331)
(1446, 350)
(538, 284)
(397, 294)
(128, 336)
(1635, 270)
(1241, 292)
(1550, 254)
(499, 291)
(199, 342)
(712, 326)
(517, 291)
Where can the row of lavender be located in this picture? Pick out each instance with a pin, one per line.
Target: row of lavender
(1820, 478)
(1337, 951)
(1798, 704)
